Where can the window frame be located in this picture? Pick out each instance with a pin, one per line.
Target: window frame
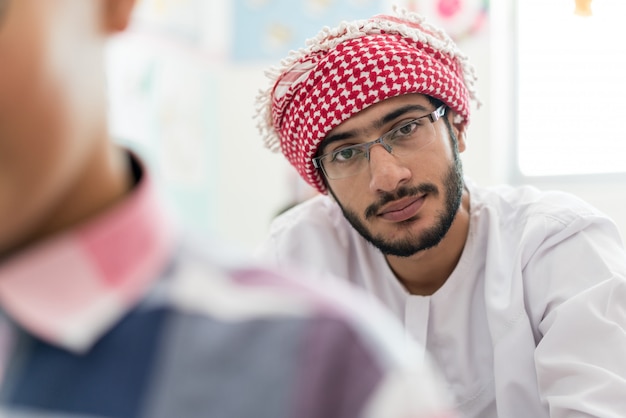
(504, 92)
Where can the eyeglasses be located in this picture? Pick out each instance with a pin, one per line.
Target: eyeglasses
(401, 141)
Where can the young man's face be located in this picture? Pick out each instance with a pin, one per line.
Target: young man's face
(50, 104)
(406, 204)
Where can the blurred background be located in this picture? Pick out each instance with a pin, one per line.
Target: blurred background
(184, 79)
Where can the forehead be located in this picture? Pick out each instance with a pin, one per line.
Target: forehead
(368, 116)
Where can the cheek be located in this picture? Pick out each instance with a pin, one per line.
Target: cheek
(434, 162)
(352, 194)
(41, 143)
(33, 178)
(34, 147)
(32, 133)
(29, 106)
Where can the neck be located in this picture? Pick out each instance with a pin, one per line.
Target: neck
(425, 272)
(105, 179)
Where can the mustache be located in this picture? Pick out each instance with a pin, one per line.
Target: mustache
(424, 188)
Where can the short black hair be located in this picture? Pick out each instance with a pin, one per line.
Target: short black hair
(435, 102)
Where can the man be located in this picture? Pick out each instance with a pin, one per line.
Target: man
(518, 294)
(107, 311)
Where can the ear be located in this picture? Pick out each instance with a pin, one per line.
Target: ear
(459, 126)
(460, 129)
(118, 14)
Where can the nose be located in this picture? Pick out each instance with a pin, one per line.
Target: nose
(387, 172)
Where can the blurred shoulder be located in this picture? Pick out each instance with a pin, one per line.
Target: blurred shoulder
(339, 329)
(319, 210)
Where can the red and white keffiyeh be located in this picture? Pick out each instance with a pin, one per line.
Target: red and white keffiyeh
(346, 69)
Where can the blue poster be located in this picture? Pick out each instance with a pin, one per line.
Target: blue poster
(162, 107)
(266, 30)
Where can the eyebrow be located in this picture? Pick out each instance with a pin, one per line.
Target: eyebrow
(377, 124)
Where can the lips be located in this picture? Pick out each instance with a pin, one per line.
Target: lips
(402, 210)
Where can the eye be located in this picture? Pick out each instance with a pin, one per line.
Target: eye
(345, 154)
(406, 130)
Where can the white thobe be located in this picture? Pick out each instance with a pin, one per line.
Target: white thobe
(532, 321)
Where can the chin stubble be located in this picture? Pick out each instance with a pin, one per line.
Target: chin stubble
(414, 243)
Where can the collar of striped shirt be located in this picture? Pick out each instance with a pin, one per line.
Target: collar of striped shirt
(73, 287)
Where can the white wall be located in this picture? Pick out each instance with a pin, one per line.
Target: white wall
(253, 182)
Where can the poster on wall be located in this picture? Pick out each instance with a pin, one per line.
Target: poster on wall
(161, 105)
(200, 24)
(177, 19)
(461, 19)
(266, 30)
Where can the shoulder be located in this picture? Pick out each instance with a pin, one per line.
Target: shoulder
(561, 243)
(208, 271)
(214, 279)
(296, 326)
(314, 234)
(528, 208)
(318, 212)
(530, 199)
(547, 231)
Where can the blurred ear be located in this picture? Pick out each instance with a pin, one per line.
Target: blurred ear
(118, 14)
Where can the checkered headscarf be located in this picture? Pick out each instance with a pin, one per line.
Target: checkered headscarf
(346, 69)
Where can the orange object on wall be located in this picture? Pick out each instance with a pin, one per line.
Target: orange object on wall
(583, 8)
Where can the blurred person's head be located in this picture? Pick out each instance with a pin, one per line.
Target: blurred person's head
(57, 166)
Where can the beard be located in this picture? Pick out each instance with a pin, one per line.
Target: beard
(431, 237)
